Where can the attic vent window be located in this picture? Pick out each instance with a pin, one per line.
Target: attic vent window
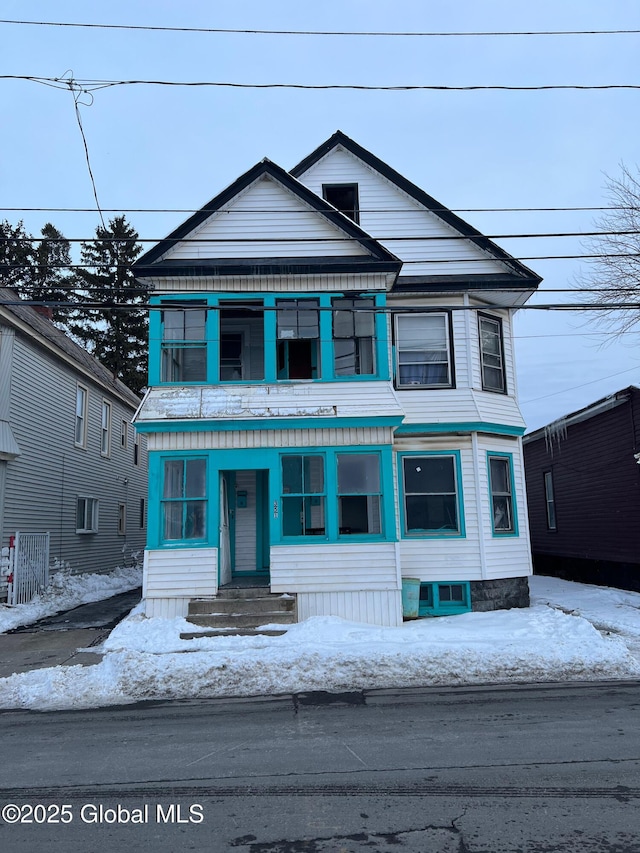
(344, 197)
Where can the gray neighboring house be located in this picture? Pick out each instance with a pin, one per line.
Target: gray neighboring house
(70, 461)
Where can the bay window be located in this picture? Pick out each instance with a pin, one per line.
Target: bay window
(501, 490)
(423, 351)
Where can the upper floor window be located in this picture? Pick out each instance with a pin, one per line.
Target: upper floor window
(298, 331)
(124, 434)
(105, 429)
(136, 448)
(492, 354)
(353, 336)
(184, 344)
(501, 490)
(241, 341)
(81, 416)
(423, 351)
(344, 197)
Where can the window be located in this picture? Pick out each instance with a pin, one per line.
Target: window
(136, 448)
(501, 489)
(444, 599)
(303, 496)
(124, 434)
(423, 351)
(81, 416)
(359, 493)
(105, 429)
(550, 500)
(86, 515)
(241, 341)
(492, 354)
(122, 519)
(344, 197)
(431, 499)
(142, 512)
(184, 345)
(353, 336)
(184, 505)
(298, 331)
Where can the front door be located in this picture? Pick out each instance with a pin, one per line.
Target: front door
(244, 524)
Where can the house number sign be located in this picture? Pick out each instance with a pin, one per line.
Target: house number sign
(275, 509)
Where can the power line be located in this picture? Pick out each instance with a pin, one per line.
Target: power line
(387, 34)
(297, 211)
(583, 385)
(93, 85)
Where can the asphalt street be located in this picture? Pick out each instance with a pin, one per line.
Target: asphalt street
(533, 769)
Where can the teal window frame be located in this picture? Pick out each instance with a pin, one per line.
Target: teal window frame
(159, 344)
(433, 601)
(342, 533)
(460, 533)
(495, 494)
(357, 315)
(325, 347)
(184, 500)
(309, 498)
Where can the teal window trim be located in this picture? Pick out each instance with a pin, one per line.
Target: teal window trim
(155, 528)
(457, 534)
(513, 532)
(362, 537)
(466, 426)
(326, 372)
(438, 598)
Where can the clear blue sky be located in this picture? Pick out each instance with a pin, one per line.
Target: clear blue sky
(156, 147)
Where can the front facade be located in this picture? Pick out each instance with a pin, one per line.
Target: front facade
(332, 402)
(583, 485)
(70, 461)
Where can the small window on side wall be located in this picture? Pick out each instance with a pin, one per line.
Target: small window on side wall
(344, 197)
(501, 488)
(550, 501)
(492, 354)
(86, 515)
(423, 351)
(81, 416)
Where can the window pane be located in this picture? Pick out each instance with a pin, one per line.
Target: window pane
(194, 520)
(502, 513)
(358, 473)
(313, 474)
(345, 357)
(429, 475)
(80, 511)
(364, 320)
(359, 514)
(292, 474)
(292, 515)
(195, 478)
(173, 478)
(173, 520)
(500, 480)
(423, 331)
(431, 513)
(343, 321)
(194, 325)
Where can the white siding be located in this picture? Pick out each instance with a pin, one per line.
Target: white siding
(166, 608)
(374, 608)
(181, 573)
(343, 567)
(245, 556)
(377, 197)
(236, 439)
(327, 283)
(286, 225)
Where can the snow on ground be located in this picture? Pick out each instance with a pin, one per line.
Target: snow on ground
(66, 591)
(146, 659)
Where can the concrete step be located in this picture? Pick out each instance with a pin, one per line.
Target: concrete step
(244, 591)
(267, 603)
(233, 632)
(242, 620)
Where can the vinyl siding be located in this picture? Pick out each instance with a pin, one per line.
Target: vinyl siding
(303, 233)
(327, 283)
(180, 573)
(43, 483)
(245, 522)
(377, 196)
(334, 568)
(373, 608)
(245, 439)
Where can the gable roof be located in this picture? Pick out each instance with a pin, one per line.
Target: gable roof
(375, 257)
(42, 330)
(521, 273)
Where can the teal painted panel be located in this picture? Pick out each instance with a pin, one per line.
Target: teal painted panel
(463, 426)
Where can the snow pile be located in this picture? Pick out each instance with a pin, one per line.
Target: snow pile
(146, 659)
(67, 590)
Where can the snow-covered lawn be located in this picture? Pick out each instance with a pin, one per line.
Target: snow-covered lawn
(146, 659)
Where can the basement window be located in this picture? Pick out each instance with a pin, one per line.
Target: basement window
(444, 598)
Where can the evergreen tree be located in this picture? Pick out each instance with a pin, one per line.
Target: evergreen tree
(116, 331)
(50, 278)
(16, 255)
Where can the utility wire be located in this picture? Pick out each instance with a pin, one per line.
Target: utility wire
(297, 212)
(94, 85)
(395, 34)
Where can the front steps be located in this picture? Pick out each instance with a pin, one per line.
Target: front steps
(239, 611)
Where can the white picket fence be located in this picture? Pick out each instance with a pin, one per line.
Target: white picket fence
(28, 566)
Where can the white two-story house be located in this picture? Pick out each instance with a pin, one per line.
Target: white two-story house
(332, 398)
